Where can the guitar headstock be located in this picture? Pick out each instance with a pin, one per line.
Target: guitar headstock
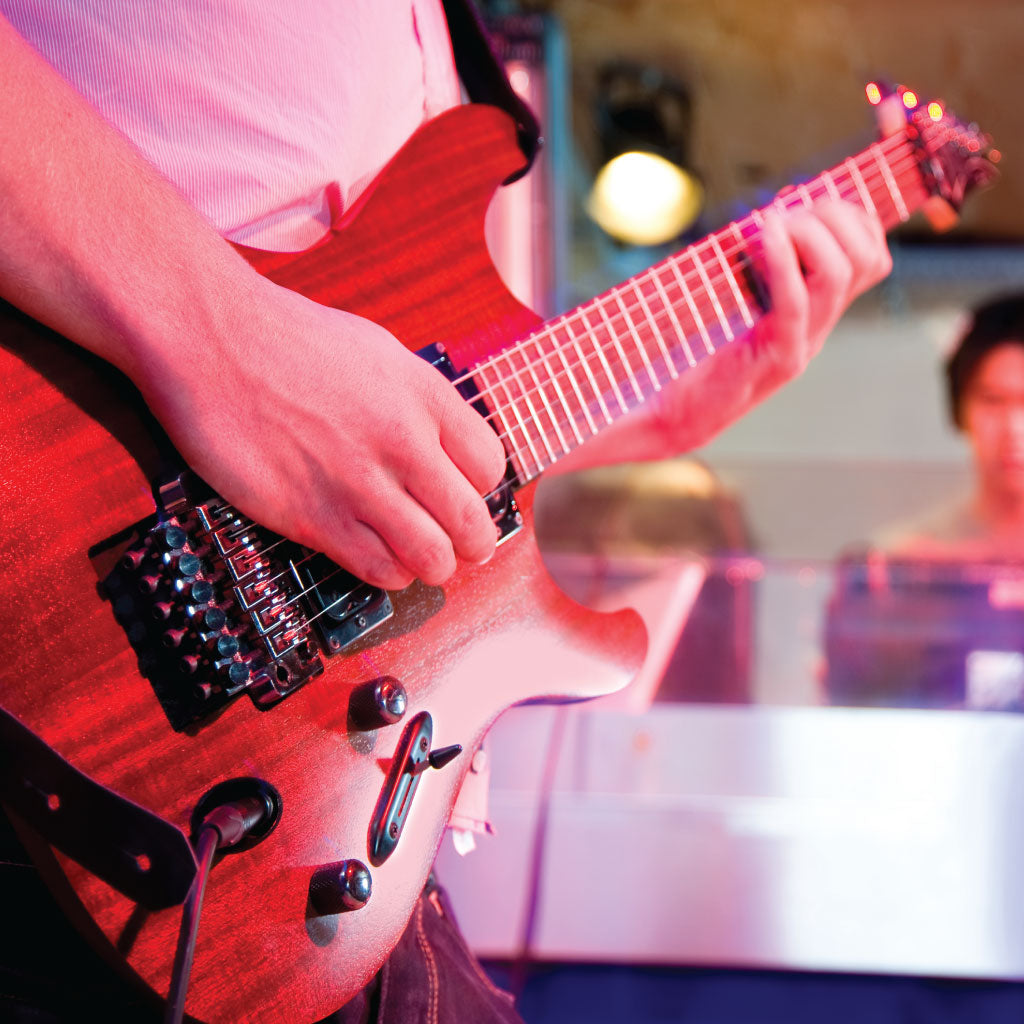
(954, 157)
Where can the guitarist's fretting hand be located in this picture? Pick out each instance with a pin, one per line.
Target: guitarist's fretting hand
(318, 423)
(815, 262)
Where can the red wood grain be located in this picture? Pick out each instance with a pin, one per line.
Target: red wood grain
(77, 457)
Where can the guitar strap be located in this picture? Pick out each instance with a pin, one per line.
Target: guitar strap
(484, 77)
(135, 851)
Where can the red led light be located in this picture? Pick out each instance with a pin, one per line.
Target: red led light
(874, 94)
(910, 99)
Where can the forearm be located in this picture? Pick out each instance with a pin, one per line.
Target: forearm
(97, 244)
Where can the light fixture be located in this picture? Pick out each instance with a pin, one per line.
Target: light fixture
(644, 193)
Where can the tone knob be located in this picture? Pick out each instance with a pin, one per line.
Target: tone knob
(337, 888)
(378, 703)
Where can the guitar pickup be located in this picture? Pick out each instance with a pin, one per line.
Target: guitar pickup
(343, 608)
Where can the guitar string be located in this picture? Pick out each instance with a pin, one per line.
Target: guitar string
(872, 177)
(846, 191)
(659, 320)
(798, 197)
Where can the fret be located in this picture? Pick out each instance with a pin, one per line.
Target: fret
(719, 312)
(858, 179)
(731, 278)
(830, 186)
(750, 294)
(530, 366)
(618, 345)
(534, 416)
(584, 405)
(608, 418)
(890, 182)
(521, 424)
(553, 377)
(601, 356)
(653, 321)
(515, 453)
(694, 312)
(805, 195)
(683, 341)
(638, 343)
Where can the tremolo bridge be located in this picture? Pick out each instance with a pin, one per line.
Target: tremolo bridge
(215, 605)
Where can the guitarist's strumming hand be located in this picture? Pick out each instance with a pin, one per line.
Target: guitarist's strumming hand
(322, 426)
(814, 263)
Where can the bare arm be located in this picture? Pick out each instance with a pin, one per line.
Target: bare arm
(101, 248)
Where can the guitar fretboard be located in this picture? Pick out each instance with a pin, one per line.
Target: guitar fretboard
(578, 373)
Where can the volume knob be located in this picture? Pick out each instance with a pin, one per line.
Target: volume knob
(336, 888)
(378, 703)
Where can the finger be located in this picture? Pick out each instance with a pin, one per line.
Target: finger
(456, 506)
(361, 550)
(420, 545)
(787, 291)
(861, 236)
(816, 300)
(473, 447)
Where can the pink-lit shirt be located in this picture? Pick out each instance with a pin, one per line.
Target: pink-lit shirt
(271, 118)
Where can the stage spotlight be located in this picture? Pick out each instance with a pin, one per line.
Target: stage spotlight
(644, 194)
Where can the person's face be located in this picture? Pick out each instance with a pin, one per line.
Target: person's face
(993, 419)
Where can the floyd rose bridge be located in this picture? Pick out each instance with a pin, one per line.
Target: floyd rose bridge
(215, 605)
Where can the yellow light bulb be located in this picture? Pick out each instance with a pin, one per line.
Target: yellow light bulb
(644, 199)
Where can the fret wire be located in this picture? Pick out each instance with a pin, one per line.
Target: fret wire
(553, 377)
(858, 179)
(614, 335)
(511, 404)
(598, 394)
(533, 417)
(751, 292)
(694, 312)
(805, 196)
(731, 278)
(638, 290)
(584, 405)
(683, 341)
(890, 183)
(719, 312)
(830, 186)
(637, 344)
(592, 337)
(516, 453)
(529, 365)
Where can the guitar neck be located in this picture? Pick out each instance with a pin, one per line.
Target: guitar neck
(578, 373)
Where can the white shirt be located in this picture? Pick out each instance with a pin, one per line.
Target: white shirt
(271, 118)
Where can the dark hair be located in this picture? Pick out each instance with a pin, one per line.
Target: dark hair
(993, 323)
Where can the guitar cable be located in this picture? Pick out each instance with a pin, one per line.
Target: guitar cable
(224, 827)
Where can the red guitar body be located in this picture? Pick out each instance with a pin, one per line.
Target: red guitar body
(77, 462)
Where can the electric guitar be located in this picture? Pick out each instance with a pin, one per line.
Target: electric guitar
(164, 644)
